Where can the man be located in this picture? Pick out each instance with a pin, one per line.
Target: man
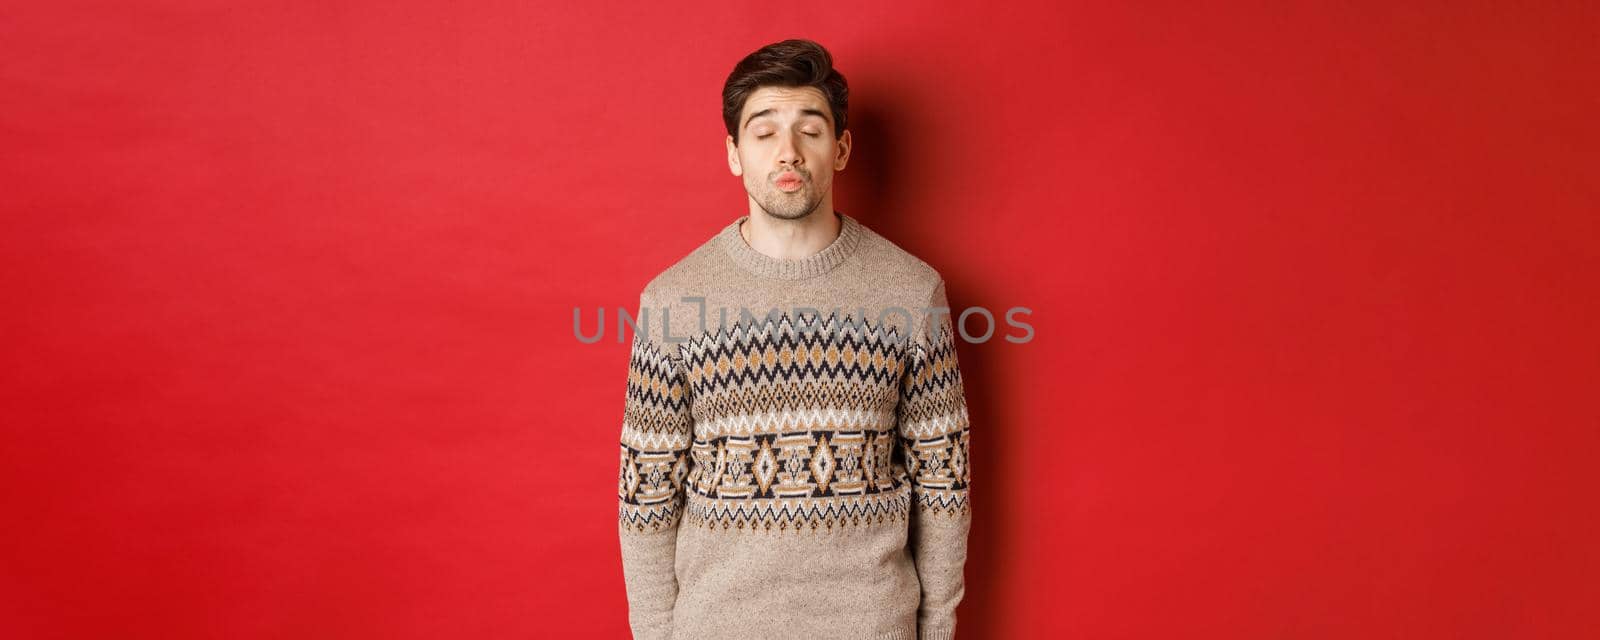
(794, 440)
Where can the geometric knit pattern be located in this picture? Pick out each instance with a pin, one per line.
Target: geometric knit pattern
(792, 427)
(934, 426)
(655, 431)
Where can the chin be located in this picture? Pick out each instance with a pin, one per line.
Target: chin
(773, 206)
(781, 216)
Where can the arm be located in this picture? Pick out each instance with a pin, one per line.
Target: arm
(656, 433)
(933, 428)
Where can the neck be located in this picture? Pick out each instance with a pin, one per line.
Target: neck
(791, 239)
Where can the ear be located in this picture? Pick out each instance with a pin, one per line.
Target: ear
(733, 157)
(842, 155)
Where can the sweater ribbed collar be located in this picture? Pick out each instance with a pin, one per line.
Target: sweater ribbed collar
(816, 264)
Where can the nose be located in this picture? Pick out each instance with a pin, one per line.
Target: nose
(789, 149)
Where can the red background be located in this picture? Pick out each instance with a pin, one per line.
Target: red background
(288, 345)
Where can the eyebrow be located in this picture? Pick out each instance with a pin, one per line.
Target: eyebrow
(803, 112)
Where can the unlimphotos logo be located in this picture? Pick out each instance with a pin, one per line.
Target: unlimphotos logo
(890, 324)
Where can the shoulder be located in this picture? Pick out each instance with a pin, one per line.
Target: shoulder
(900, 269)
(685, 275)
(914, 285)
(665, 309)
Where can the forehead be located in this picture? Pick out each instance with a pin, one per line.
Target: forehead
(784, 101)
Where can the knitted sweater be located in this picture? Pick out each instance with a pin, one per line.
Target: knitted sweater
(793, 458)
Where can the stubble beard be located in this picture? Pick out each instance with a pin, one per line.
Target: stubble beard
(789, 206)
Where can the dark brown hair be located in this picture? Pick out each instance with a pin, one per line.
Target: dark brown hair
(791, 63)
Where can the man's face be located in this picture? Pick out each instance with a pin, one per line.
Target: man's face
(787, 152)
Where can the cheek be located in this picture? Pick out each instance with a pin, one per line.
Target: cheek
(822, 157)
(825, 154)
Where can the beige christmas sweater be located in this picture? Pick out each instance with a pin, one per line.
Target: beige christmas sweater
(793, 459)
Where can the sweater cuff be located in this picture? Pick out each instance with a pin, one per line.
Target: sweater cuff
(936, 631)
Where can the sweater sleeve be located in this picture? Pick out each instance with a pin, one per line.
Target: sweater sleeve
(933, 428)
(656, 434)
